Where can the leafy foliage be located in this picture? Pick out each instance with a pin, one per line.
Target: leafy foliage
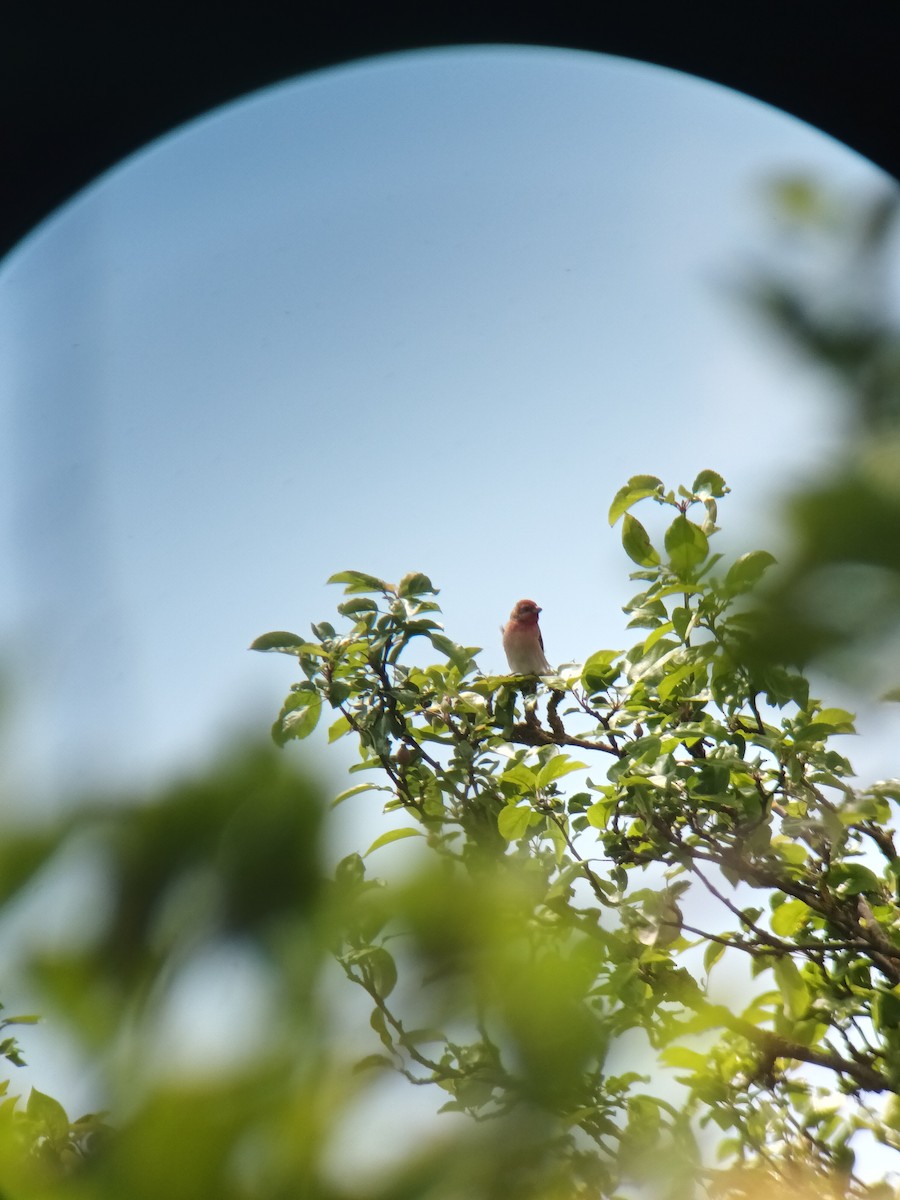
(600, 854)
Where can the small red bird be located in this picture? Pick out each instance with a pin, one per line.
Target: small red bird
(522, 641)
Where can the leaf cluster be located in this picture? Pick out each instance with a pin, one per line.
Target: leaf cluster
(601, 847)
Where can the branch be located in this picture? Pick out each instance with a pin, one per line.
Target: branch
(528, 734)
(766, 938)
(886, 953)
(882, 839)
(866, 935)
(588, 870)
(865, 1076)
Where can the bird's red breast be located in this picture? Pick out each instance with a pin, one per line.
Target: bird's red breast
(522, 640)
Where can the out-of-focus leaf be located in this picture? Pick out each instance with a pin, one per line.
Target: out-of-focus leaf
(49, 1113)
(746, 572)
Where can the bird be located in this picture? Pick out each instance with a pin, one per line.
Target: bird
(522, 640)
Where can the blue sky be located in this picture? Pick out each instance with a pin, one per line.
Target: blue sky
(420, 312)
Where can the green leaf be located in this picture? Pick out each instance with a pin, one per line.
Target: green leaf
(521, 776)
(853, 879)
(672, 679)
(706, 1017)
(298, 717)
(789, 851)
(646, 748)
(838, 719)
(338, 728)
(747, 571)
(339, 691)
(357, 605)
(886, 1011)
(599, 673)
(356, 791)
(681, 622)
(359, 581)
(637, 488)
(513, 821)
(712, 954)
(686, 545)
(49, 1113)
(378, 1023)
(392, 835)
(792, 987)
(681, 1056)
(636, 543)
(416, 584)
(789, 917)
(461, 657)
(555, 768)
(350, 870)
(372, 1062)
(657, 635)
(599, 813)
(283, 642)
(710, 483)
(382, 969)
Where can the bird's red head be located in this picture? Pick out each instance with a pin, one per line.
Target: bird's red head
(526, 611)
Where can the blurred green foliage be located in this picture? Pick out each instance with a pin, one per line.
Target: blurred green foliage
(826, 287)
(828, 291)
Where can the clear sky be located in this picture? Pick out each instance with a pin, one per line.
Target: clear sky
(422, 312)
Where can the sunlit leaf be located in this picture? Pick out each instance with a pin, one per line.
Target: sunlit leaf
(600, 671)
(416, 584)
(359, 581)
(556, 768)
(710, 483)
(637, 488)
(789, 917)
(681, 1056)
(686, 545)
(354, 791)
(392, 835)
(299, 716)
(513, 821)
(793, 989)
(283, 642)
(636, 542)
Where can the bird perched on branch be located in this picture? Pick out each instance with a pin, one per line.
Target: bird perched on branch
(522, 641)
